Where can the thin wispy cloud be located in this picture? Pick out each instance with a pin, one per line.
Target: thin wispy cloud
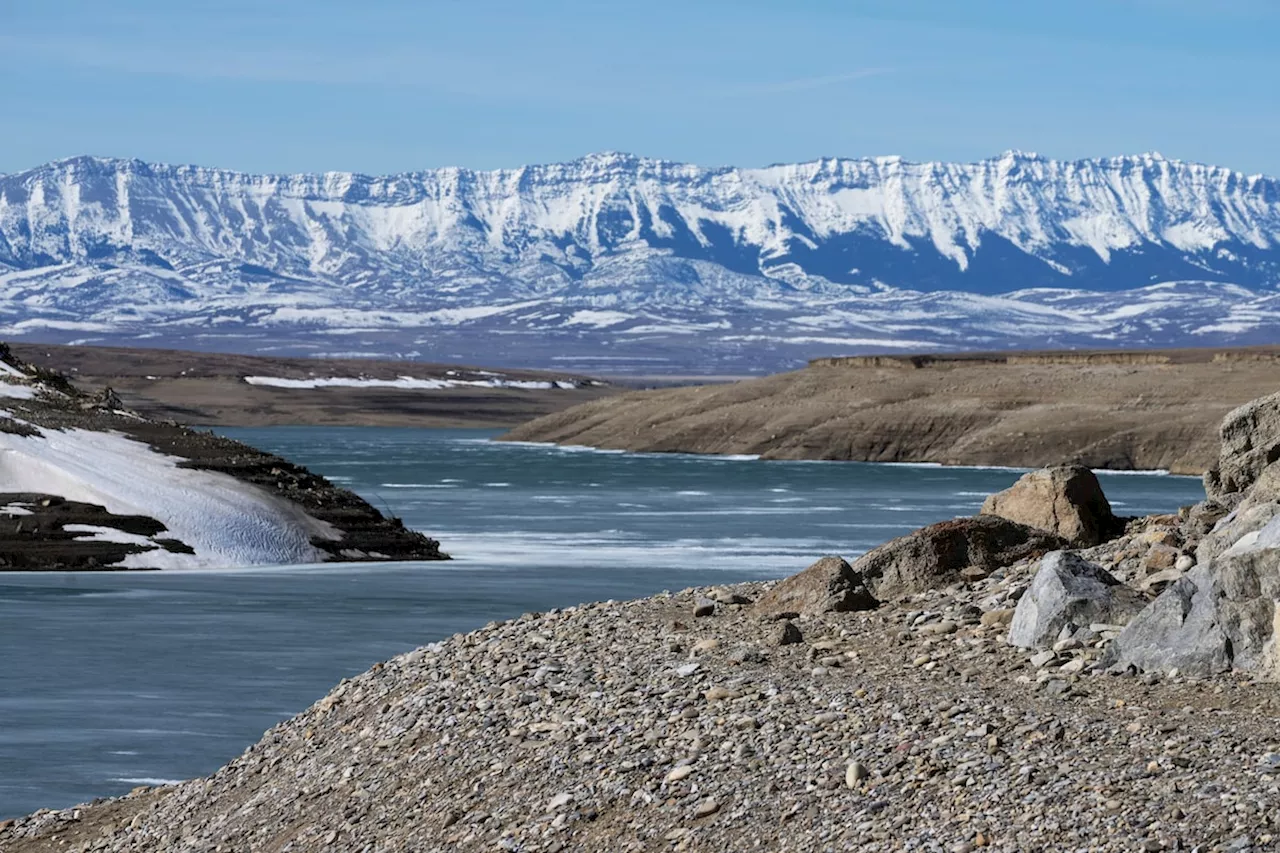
(805, 83)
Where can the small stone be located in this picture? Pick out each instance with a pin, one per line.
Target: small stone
(559, 801)
(706, 808)
(718, 693)
(728, 596)
(688, 669)
(939, 628)
(1042, 659)
(1057, 687)
(786, 634)
(855, 773)
(748, 654)
(997, 618)
(681, 772)
(1160, 557)
(704, 607)
(1073, 667)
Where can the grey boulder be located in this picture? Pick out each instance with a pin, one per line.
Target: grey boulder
(1220, 616)
(1250, 442)
(1069, 592)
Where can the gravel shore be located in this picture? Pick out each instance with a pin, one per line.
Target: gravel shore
(640, 726)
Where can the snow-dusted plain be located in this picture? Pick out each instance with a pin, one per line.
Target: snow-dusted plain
(623, 263)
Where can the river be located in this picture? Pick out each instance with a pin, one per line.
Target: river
(108, 681)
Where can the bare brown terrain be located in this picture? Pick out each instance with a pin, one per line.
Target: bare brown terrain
(209, 388)
(1156, 409)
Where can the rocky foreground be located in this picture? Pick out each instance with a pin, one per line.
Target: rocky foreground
(986, 682)
(1124, 410)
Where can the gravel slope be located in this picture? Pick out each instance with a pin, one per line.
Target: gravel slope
(640, 726)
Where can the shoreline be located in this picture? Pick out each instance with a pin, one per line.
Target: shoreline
(1022, 412)
(748, 457)
(853, 679)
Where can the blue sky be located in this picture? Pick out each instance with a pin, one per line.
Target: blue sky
(384, 86)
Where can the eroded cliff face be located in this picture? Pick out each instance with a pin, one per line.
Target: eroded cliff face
(1144, 411)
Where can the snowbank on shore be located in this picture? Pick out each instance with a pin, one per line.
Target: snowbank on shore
(227, 522)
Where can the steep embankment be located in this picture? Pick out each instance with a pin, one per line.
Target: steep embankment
(1137, 410)
(87, 484)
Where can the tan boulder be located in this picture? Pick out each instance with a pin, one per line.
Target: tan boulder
(1065, 500)
(828, 586)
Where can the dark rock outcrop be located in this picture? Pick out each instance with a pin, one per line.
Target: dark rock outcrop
(1066, 500)
(935, 556)
(830, 585)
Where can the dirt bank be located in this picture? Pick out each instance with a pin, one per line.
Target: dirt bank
(210, 389)
(1141, 410)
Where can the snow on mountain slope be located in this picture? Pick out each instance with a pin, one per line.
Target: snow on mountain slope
(646, 262)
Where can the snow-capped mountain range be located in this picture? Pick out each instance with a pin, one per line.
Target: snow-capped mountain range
(619, 261)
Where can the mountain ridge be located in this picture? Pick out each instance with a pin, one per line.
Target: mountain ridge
(643, 254)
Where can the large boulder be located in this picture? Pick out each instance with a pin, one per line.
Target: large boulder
(1068, 592)
(1222, 615)
(1066, 500)
(934, 556)
(828, 586)
(1250, 442)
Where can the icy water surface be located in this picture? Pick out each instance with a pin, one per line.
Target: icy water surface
(108, 681)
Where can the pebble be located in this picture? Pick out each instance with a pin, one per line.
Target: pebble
(855, 773)
(706, 808)
(1043, 659)
(996, 618)
(681, 772)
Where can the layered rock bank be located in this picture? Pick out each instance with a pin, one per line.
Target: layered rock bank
(86, 484)
(1139, 411)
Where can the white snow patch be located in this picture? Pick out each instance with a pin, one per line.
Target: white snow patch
(404, 383)
(227, 522)
(16, 392)
(97, 533)
(597, 319)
